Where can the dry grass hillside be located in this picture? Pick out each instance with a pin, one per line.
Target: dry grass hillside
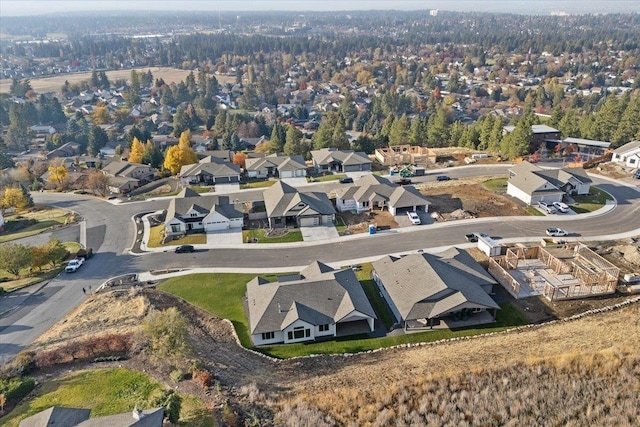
(580, 372)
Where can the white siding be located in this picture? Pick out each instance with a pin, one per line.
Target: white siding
(514, 191)
(278, 337)
(346, 205)
(299, 324)
(216, 222)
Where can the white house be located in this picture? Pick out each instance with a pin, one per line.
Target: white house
(628, 154)
(275, 165)
(189, 212)
(317, 302)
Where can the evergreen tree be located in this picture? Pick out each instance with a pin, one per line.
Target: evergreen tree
(152, 156)
(399, 132)
(293, 146)
(276, 144)
(98, 138)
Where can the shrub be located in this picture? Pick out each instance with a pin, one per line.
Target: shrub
(168, 332)
(23, 363)
(17, 387)
(1, 288)
(177, 375)
(203, 378)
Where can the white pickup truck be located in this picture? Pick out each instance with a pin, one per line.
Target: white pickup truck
(74, 265)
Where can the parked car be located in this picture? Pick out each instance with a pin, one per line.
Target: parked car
(184, 249)
(556, 232)
(442, 178)
(547, 207)
(473, 237)
(74, 265)
(347, 180)
(414, 218)
(403, 181)
(561, 207)
(637, 174)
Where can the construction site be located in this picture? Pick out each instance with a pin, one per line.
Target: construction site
(567, 271)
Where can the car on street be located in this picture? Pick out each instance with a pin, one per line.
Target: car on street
(637, 174)
(74, 265)
(546, 207)
(556, 232)
(347, 180)
(403, 181)
(443, 178)
(414, 218)
(184, 249)
(473, 237)
(561, 207)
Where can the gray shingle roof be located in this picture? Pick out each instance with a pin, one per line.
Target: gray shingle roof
(424, 286)
(275, 161)
(210, 165)
(325, 156)
(628, 147)
(376, 188)
(283, 200)
(531, 179)
(322, 295)
(58, 416)
(179, 206)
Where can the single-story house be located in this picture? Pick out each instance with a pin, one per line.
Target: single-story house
(81, 417)
(286, 207)
(275, 165)
(532, 184)
(332, 160)
(190, 212)
(373, 191)
(444, 290)
(210, 170)
(68, 149)
(587, 148)
(143, 173)
(628, 154)
(318, 302)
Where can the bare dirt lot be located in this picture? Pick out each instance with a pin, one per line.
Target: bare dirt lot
(359, 223)
(53, 84)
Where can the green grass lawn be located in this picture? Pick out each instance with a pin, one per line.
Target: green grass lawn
(221, 295)
(324, 178)
(373, 294)
(105, 392)
(260, 235)
(497, 185)
(593, 201)
(46, 219)
(190, 239)
(533, 211)
(257, 184)
(340, 224)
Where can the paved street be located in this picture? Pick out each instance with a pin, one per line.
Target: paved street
(110, 232)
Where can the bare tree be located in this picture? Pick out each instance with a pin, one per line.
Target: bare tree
(98, 183)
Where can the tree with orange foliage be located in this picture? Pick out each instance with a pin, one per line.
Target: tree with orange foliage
(239, 158)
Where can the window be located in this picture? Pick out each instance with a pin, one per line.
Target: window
(175, 228)
(323, 328)
(478, 310)
(298, 333)
(268, 335)
(193, 214)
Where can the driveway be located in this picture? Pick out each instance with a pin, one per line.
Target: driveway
(232, 187)
(224, 238)
(404, 221)
(319, 232)
(296, 182)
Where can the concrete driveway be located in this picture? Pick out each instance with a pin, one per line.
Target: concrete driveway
(319, 232)
(404, 221)
(232, 187)
(296, 182)
(224, 238)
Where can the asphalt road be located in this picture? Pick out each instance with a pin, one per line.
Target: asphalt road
(110, 232)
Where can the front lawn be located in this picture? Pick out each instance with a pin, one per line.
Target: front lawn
(257, 184)
(221, 295)
(155, 238)
(497, 185)
(27, 224)
(533, 211)
(260, 236)
(593, 201)
(324, 178)
(105, 392)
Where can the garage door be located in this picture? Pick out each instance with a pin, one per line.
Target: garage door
(309, 222)
(286, 174)
(216, 226)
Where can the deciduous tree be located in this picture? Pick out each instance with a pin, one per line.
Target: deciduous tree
(57, 174)
(239, 158)
(98, 183)
(136, 152)
(14, 257)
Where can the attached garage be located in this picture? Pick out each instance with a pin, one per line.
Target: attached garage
(309, 221)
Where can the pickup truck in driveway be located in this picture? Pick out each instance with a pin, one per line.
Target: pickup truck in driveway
(74, 265)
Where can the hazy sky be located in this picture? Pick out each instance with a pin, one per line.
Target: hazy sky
(36, 7)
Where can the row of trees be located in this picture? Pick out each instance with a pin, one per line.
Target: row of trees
(16, 258)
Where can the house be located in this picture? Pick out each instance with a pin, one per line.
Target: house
(125, 176)
(80, 417)
(330, 160)
(318, 302)
(286, 207)
(190, 212)
(542, 134)
(628, 154)
(444, 290)
(43, 130)
(373, 191)
(209, 171)
(68, 149)
(532, 184)
(587, 148)
(275, 165)
(405, 154)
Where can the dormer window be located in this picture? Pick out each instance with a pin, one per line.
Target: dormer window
(194, 214)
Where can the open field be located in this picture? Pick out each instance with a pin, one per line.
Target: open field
(53, 84)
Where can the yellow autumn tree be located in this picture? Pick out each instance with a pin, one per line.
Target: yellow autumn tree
(185, 138)
(57, 174)
(172, 160)
(137, 151)
(16, 198)
(180, 155)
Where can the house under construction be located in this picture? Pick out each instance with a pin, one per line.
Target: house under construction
(404, 154)
(564, 272)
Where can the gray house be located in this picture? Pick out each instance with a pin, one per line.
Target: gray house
(332, 160)
(532, 184)
(209, 171)
(286, 207)
(427, 291)
(318, 302)
(372, 191)
(275, 165)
